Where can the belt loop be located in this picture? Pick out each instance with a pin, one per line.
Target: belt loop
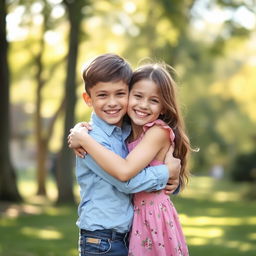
(113, 235)
(125, 240)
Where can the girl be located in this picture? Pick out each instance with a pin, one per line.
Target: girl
(156, 125)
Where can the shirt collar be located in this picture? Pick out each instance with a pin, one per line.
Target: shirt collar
(109, 128)
(126, 130)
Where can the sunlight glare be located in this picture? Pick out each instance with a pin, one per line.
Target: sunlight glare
(57, 12)
(12, 212)
(38, 19)
(228, 221)
(197, 241)
(112, 47)
(13, 20)
(36, 7)
(129, 7)
(252, 236)
(224, 196)
(134, 30)
(118, 29)
(30, 209)
(251, 220)
(203, 232)
(42, 233)
(241, 246)
(52, 37)
(29, 108)
(216, 15)
(55, 1)
(245, 17)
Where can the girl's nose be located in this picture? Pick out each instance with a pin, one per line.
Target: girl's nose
(143, 104)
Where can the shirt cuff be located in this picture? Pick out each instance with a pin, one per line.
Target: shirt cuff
(162, 175)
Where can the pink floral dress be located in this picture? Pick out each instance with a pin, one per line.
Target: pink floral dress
(156, 230)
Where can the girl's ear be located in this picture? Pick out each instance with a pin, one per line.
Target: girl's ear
(162, 112)
(87, 99)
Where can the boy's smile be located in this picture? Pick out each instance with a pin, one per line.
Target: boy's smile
(109, 101)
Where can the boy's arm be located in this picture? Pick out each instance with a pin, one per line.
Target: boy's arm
(150, 179)
(123, 169)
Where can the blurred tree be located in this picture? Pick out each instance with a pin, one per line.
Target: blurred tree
(8, 186)
(65, 158)
(42, 70)
(244, 168)
(163, 30)
(167, 32)
(43, 131)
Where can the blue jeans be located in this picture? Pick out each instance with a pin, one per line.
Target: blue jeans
(103, 242)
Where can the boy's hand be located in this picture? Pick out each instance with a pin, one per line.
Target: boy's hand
(174, 165)
(171, 186)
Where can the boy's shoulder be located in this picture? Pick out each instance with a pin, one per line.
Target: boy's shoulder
(98, 133)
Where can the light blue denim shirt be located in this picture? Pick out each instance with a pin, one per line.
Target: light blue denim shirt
(105, 201)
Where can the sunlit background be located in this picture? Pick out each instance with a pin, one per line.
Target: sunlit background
(211, 45)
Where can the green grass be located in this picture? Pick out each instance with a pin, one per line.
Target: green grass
(216, 219)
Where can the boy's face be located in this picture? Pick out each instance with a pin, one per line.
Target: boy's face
(109, 101)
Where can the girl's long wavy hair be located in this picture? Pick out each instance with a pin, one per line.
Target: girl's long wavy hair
(159, 73)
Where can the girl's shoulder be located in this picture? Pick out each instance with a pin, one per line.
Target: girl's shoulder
(159, 125)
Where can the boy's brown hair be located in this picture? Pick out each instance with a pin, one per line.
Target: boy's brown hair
(106, 68)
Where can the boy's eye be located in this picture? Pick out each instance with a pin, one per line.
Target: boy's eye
(101, 95)
(138, 96)
(121, 94)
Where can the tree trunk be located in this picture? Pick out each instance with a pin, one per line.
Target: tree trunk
(8, 186)
(43, 132)
(65, 159)
(39, 127)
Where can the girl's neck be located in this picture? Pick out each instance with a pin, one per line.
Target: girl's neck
(136, 132)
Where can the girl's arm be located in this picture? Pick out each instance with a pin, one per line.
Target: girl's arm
(123, 169)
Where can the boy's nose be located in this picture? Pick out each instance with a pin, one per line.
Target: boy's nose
(112, 102)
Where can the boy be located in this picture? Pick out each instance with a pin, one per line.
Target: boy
(105, 211)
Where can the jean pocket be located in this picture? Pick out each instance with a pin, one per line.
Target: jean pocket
(94, 245)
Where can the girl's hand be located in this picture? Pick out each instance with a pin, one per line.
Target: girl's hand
(76, 136)
(80, 152)
(83, 124)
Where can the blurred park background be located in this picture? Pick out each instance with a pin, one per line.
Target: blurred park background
(43, 45)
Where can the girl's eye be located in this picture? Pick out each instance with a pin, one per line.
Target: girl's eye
(155, 101)
(137, 96)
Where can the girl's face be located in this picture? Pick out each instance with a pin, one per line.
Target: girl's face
(144, 102)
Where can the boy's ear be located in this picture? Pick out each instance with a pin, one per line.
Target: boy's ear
(87, 99)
